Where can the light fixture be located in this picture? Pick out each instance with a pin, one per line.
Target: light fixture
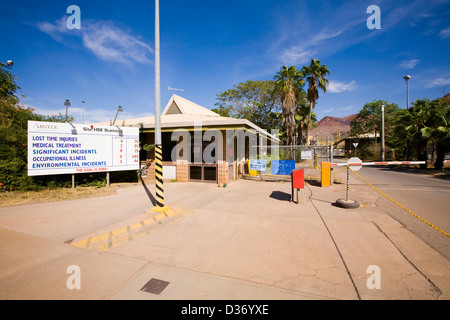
(120, 109)
(67, 104)
(8, 63)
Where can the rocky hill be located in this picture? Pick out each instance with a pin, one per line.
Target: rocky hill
(331, 126)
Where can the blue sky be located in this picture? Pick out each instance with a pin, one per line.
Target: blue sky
(208, 46)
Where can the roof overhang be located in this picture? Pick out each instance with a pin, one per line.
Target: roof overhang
(181, 113)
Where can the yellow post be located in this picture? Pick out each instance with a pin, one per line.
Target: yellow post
(160, 207)
(326, 174)
(316, 161)
(253, 173)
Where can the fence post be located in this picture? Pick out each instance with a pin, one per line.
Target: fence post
(316, 159)
(331, 161)
(328, 149)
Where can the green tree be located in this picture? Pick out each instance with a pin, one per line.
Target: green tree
(288, 83)
(256, 101)
(439, 136)
(369, 118)
(316, 75)
(408, 130)
(426, 125)
(302, 117)
(13, 144)
(443, 141)
(369, 121)
(14, 136)
(8, 85)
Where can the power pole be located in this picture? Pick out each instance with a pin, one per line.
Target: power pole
(160, 207)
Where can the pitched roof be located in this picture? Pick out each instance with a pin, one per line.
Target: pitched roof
(179, 105)
(182, 113)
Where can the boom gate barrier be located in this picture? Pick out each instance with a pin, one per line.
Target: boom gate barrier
(357, 164)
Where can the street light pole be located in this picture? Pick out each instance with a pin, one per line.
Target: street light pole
(407, 108)
(67, 104)
(160, 207)
(407, 90)
(382, 134)
(83, 102)
(120, 109)
(157, 78)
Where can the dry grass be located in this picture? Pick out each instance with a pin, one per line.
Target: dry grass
(9, 199)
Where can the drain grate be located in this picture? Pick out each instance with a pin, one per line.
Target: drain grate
(155, 286)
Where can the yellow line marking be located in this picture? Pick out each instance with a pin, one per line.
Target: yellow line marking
(119, 236)
(407, 210)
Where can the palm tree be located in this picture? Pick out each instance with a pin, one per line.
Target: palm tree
(303, 122)
(301, 116)
(317, 79)
(287, 82)
(437, 130)
(409, 129)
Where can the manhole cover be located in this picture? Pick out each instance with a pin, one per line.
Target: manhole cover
(155, 286)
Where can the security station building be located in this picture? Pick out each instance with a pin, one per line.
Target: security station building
(200, 145)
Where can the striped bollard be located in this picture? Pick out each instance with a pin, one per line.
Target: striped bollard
(160, 207)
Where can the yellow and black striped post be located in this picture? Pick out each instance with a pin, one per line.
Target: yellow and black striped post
(159, 181)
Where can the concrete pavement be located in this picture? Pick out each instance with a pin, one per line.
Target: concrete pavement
(243, 242)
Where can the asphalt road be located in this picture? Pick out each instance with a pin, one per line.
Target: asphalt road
(426, 195)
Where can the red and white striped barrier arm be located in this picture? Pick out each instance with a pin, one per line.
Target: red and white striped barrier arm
(378, 163)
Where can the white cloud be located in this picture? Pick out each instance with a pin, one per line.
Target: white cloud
(296, 56)
(325, 35)
(337, 87)
(409, 64)
(439, 82)
(105, 39)
(306, 37)
(310, 47)
(340, 26)
(347, 108)
(55, 30)
(445, 33)
(109, 42)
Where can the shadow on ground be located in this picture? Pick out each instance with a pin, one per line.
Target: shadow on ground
(280, 195)
(149, 194)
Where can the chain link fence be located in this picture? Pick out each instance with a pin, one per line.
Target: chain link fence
(278, 164)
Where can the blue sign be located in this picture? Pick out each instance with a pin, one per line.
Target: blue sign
(258, 165)
(283, 167)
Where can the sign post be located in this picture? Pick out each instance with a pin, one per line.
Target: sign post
(352, 161)
(356, 165)
(297, 182)
(355, 145)
(66, 148)
(347, 203)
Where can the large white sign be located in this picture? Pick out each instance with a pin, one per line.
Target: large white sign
(66, 148)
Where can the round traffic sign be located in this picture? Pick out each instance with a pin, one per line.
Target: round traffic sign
(353, 163)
